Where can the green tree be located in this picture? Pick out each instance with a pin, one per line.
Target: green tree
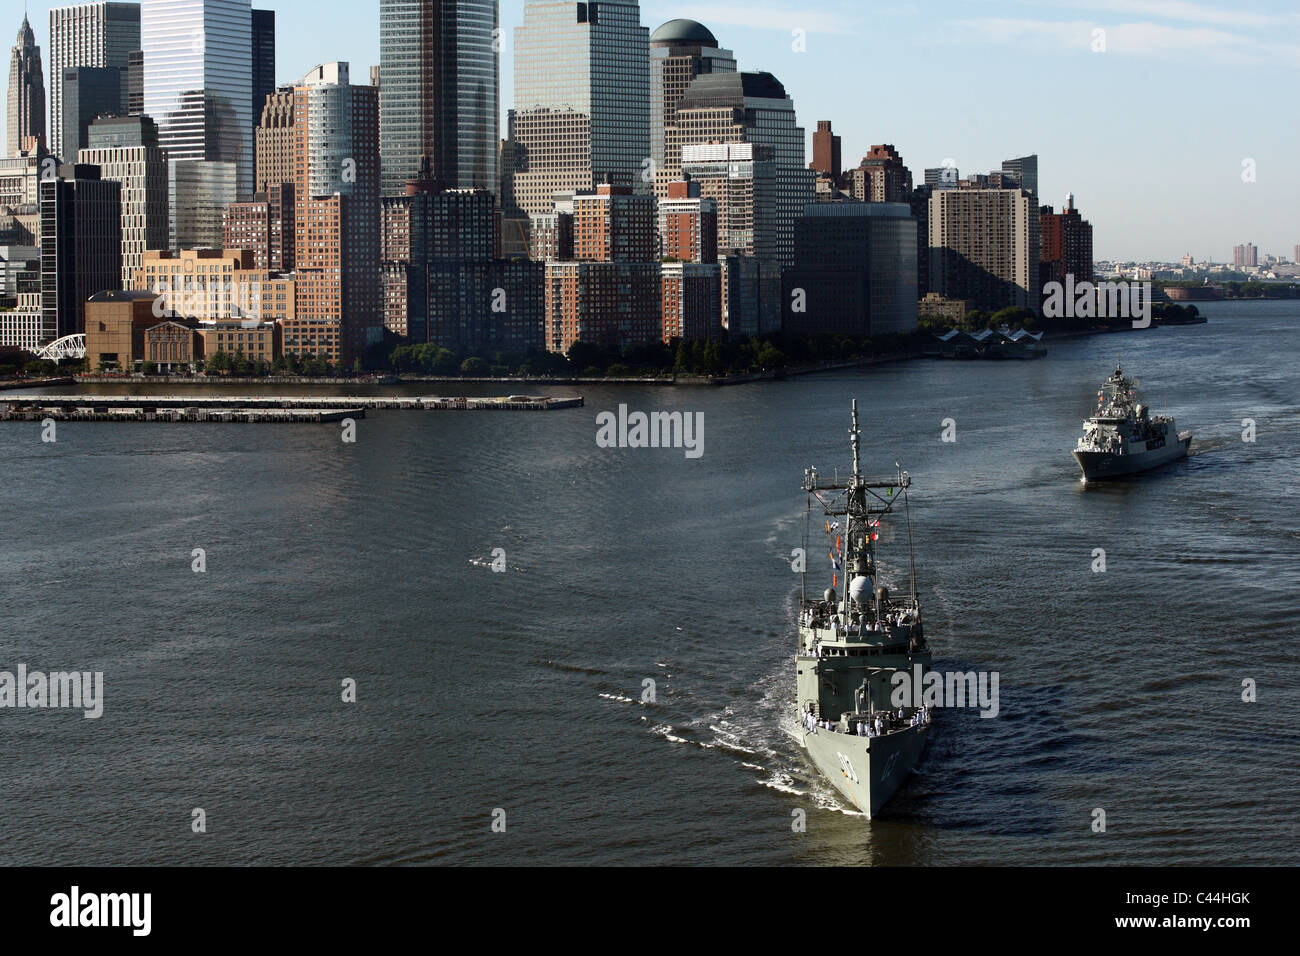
(218, 363)
(444, 362)
(713, 363)
(1013, 317)
(473, 366)
(770, 357)
(585, 355)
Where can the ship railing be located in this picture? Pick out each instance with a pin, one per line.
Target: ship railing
(851, 724)
(823, 626)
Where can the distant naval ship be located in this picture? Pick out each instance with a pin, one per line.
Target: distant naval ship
(850, 647)
(1121, 438)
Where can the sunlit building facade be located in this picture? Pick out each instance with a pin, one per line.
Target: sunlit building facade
(198, 81)
(439, 96)
(582, 99)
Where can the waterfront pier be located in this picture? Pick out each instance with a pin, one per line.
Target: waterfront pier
(252, 408)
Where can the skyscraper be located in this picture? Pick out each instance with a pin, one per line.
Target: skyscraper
(198, 84)
(688, 224)
(198, 190)
(855, 267)
(273, 140)
(442, 280)
(125, 148)
(680, 50)
(1246, 254)
(336, 216)
(88, 34)
(88, 93)
(882, 176)
(263, 79)
(609, 294)
(942, 177)
(753, 108)
(984, 246)
(263, 39)
(1065, 244)
(690, 277)
(264, 225)
(826, 151)
(26, 91)
(440, 92)
(1023, 172)
(81, 245)
(135, 83)
(741, 179)
(582, 99)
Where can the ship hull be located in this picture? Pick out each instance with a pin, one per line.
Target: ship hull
(867, 771)
(1098, 465)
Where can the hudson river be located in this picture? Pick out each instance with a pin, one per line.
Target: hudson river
(479, 691)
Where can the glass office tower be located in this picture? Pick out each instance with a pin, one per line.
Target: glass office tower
(582, 99)
(438, 92)
(87, 34)
(198, 81)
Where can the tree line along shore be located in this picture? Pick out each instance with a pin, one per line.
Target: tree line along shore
(719, 357)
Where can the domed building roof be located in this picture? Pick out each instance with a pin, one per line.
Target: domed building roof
(684, 33)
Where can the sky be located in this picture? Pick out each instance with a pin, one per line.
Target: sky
(1177, 128)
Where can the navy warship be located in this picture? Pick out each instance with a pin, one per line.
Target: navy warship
(851, 647)
(1121, 438)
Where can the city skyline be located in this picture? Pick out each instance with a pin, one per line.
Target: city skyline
(1199, 59)
(1144, 217)
(1161, 50)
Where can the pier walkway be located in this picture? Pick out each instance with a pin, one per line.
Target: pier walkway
(106, 403)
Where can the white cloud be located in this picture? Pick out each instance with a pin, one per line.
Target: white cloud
(1180, 10)
(1129, 39)
(781, 18)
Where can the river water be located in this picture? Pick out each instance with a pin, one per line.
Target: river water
(519, 695)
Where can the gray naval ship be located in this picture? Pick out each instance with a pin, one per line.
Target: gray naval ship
(850, 647)
(1122, 438)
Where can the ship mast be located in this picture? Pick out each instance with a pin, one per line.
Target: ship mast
(856, 513)
(853, 437)
(859, 550)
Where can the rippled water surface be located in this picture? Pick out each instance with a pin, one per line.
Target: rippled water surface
(523, 690)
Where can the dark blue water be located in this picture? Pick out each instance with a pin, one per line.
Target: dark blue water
(522, 690)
